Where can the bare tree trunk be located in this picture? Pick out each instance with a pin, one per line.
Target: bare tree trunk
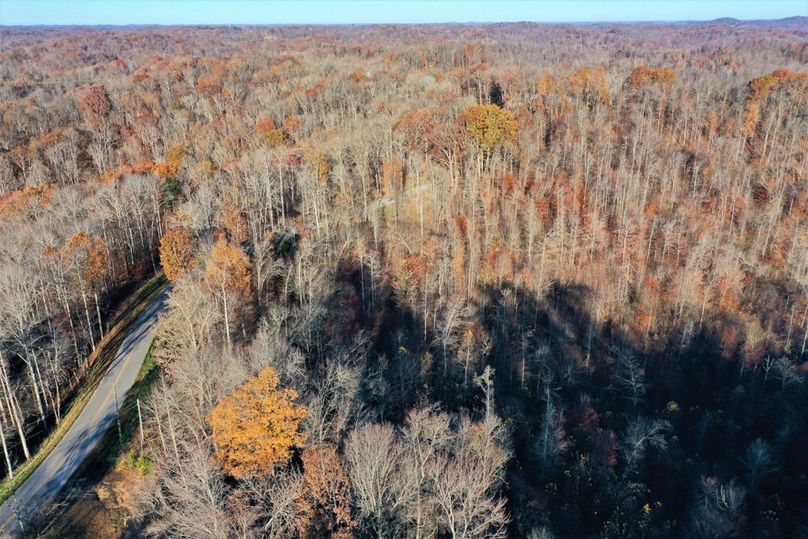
(16, 416)
(98, 313)
(73, 331)
(89, 322)
(34, 385)
(5, 450)
(226, 317)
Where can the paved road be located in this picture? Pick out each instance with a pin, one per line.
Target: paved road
(98, 416)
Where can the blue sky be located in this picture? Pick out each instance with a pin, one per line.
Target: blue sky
(17, 12)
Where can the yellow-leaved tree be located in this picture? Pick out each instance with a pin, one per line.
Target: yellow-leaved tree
(256, 427)
(489, 126)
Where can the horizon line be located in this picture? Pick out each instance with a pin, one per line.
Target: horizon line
(434, 23)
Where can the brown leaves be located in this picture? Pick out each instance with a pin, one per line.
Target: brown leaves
(257, 426)
(750, 117)
(93, 100)
(416, 265)
(644, 75)
(325, 507)
(392, 176)
(228, 268)
(177, 253)
(234, 222)
(590, 84)
(264, 124)
(358, 76)
(759, 90)
(176, 154)
(430, 131)
(760, 87)
(90, 255)
(291, 124)
(319, 162)
(273, 137)
(27, 199)
(209, 85)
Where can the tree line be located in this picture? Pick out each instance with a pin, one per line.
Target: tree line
(506, 280)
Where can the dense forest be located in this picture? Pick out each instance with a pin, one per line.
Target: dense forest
(508, 280)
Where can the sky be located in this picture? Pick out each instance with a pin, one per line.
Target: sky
(64, 12)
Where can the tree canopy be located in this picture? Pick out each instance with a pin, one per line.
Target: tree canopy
(256, 427)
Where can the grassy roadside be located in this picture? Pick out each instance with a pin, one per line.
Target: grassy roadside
(99, 360)
(74, 513)
(112, 443)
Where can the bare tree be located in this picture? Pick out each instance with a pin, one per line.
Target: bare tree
(461, 490)
(190, 499)
(373, 456)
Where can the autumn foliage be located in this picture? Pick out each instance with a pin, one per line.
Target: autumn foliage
(94, 101)
(587, 83)
(325, 506)
(166, 169)
(610, 220)
(229, 278)
(90, 255)
(490, 126)
(759, 90)
(228, 268)
(644, 75)
(177, 253)
(256, 427)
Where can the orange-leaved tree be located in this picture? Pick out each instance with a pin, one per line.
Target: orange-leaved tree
(177, 253)
(644, 75)
(229, 278)
(166, 169)
(590, 84)
(256, 427)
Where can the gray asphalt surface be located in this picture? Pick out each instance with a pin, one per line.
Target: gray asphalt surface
(99, 415)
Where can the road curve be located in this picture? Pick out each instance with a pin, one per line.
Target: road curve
(98, 415)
